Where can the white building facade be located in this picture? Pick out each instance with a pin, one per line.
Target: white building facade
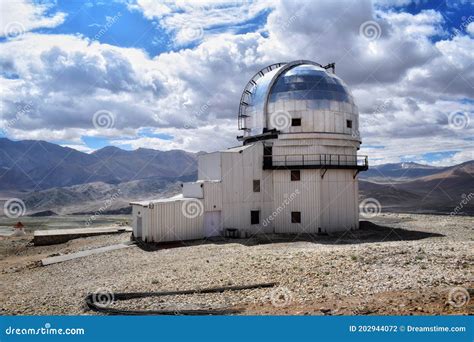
(296, 171)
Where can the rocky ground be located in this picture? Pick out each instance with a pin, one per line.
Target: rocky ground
(398, 264)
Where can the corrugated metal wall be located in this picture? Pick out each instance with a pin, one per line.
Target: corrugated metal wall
(339, 209)
(329, 203)
(315, 146)
(135, 210)
(316, 120)
(209, 166)
(212, 196)
(238, 198)
(301, 196)
(168, 222)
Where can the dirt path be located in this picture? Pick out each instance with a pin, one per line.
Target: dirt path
(401, 264)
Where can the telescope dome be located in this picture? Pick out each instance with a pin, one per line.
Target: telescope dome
(300, 96)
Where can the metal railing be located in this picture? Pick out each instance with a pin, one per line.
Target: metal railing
(316, 161)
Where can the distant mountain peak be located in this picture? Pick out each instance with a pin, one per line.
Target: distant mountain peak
(410, 165)
(107, 149)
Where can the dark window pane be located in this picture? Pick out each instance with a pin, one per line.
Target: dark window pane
(295, 122)
(295, 217)
(256, 185)
(349, 123)
(254, 217)
(295, 175)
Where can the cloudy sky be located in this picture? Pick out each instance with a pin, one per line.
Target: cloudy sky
(169, 75)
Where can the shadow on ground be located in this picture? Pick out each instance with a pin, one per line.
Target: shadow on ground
(367, 233)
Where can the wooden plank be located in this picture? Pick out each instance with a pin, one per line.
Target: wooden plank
(71, 256)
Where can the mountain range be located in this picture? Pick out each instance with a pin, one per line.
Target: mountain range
(434, 190)
(31, 165)
(49, 177)
(399, 171)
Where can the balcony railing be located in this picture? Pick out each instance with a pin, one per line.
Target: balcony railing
(315, 161)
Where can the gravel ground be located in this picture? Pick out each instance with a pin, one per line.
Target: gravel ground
(395, 264)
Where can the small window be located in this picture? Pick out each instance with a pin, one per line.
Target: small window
(296, 217)
(267, 150)
(295, 175)
(254, 217)
(256, 185)
(349, 123)
(295, 122)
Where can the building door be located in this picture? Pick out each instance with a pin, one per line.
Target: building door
(139, 227)
(212, 223)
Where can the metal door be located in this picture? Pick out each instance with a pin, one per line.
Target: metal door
(139, 227)
(212, 223)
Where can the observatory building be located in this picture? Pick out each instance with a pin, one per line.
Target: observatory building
(295, 171)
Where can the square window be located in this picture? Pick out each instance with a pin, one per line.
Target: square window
(349, 123)
(254, 217)
(295, 175)
(295, 122)
(256, 185)
(296, 217)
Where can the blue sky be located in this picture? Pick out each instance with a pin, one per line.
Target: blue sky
(88, 18)
(166, 75)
